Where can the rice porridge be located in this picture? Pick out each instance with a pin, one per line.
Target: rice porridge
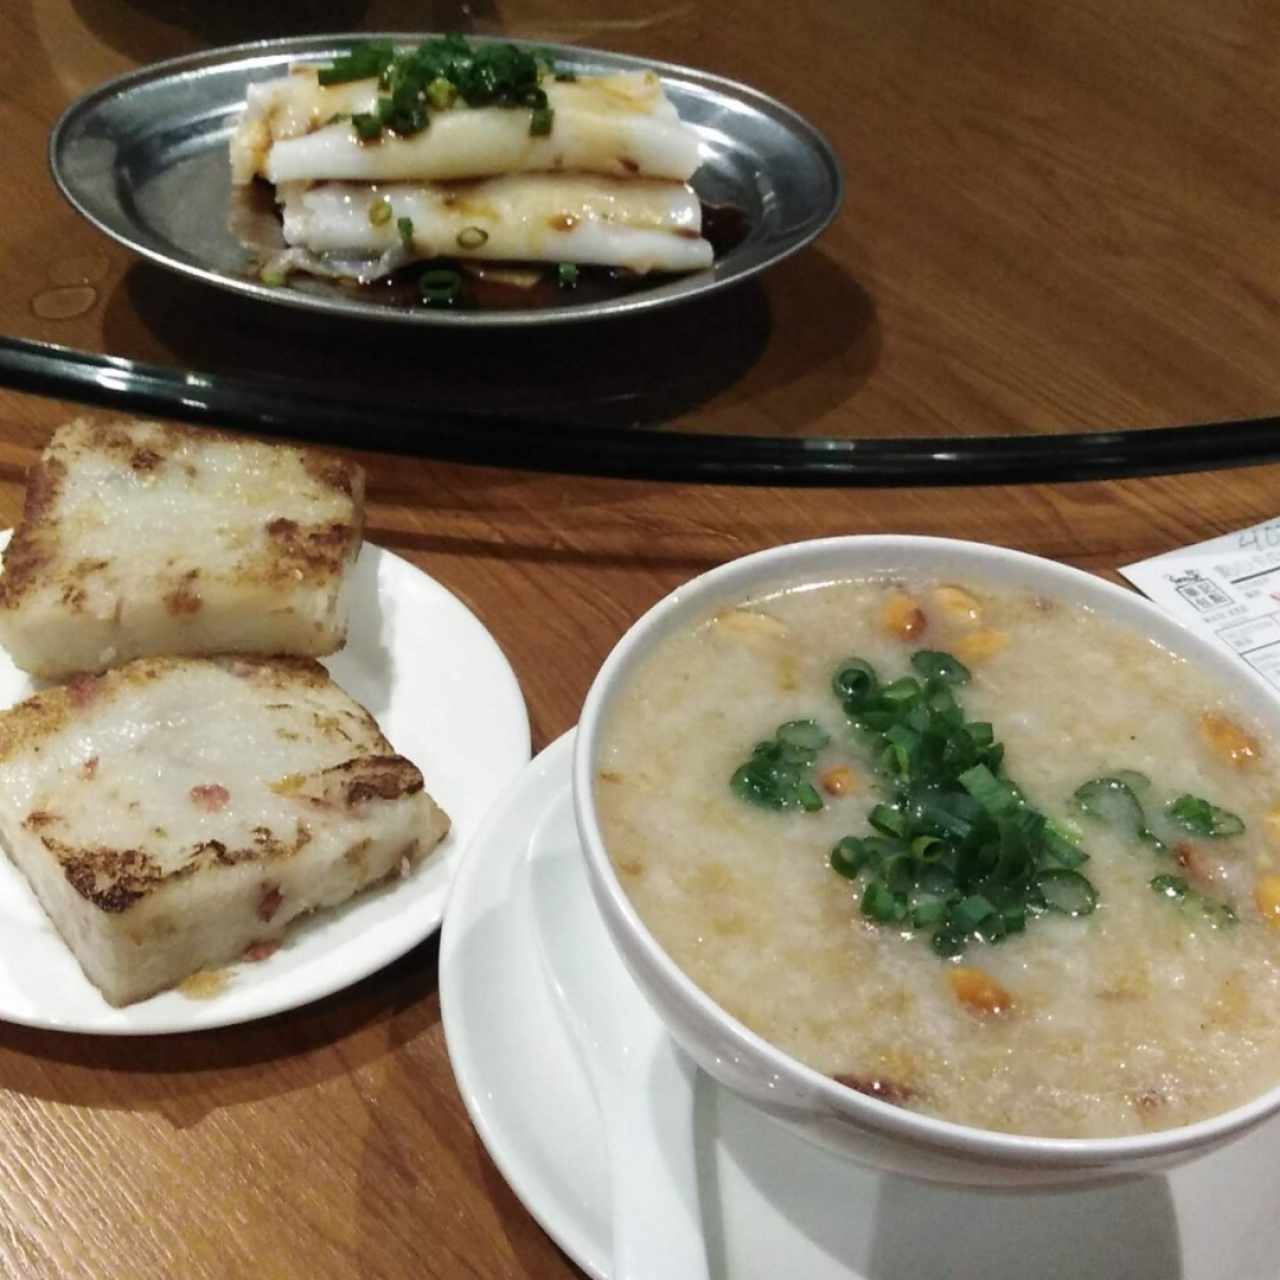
(972, 851)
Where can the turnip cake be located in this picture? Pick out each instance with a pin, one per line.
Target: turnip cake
(140, 538)
(175, 812)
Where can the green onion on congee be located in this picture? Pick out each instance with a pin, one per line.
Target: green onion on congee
(956, 850)
(966, 849)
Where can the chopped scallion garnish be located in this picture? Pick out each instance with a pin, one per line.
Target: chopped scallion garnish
(955, 849)
(380, 211)
(1137, 782)
(567, 275)
(1204, 819)
(1112, 800)
(855, 683)
(1170, 886)
(367, 125)
(442, 93)
(435, 75)
(806, 734)
(439, 287)
(1066, 891)
(933, 665)
(779, 773)
(1176, 889)
(362, 63)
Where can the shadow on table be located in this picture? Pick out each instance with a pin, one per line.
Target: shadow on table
(150, 29)
(185, 1077)
(1129, 1229)
(146, 30)
(891, 1228)
(798, 337)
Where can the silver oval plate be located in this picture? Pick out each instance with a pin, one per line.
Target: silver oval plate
(145, 158)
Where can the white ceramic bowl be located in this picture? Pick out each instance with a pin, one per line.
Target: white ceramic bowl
(870, 1131)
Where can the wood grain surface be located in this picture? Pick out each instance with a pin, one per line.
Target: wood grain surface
(1057, 217)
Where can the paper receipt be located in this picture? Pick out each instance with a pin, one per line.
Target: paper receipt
(1227, 588)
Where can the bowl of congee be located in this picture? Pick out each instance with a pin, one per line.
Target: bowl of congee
(958, 861)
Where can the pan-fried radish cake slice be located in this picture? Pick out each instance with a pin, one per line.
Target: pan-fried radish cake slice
(140, 538)
(176, 812)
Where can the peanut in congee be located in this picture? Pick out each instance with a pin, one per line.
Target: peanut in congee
(973, 851)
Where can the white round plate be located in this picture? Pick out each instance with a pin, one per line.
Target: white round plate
(771, 1204)
(444, 695)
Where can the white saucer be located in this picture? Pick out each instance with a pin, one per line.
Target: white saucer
(773, 1206)
(444, 695)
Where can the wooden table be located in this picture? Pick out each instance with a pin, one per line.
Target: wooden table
(1057, 219)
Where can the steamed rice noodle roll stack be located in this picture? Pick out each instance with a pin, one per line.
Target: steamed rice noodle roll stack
(493, 158)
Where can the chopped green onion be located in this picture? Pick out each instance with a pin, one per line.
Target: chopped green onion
(1014, 916)
(896, 871)
(435, 75)
(970, 912)
(935, 879)
(567, 275)
(1111, 800)
(929, 911)
(808, 798)
(778, 775)
(472, 237)
(807, 734)
(442, 93)
(849, 857)
(996, 795)
(1204, 819)
(889, 820)
(955, 849)
(1176, 889)
(367, 125)
(1114, 799)
(948, 941)
(1137, 782)
(1061, 848)
(405, 227)
(934, 665)
(880, 903)
(855, 683)
(540, 121)
(1170, 886)
(928, 849)
(362, 63)
(901, 692)
(273, 276)
(1066, 891)
(380, 211)
(406, 122)
(439, 287)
